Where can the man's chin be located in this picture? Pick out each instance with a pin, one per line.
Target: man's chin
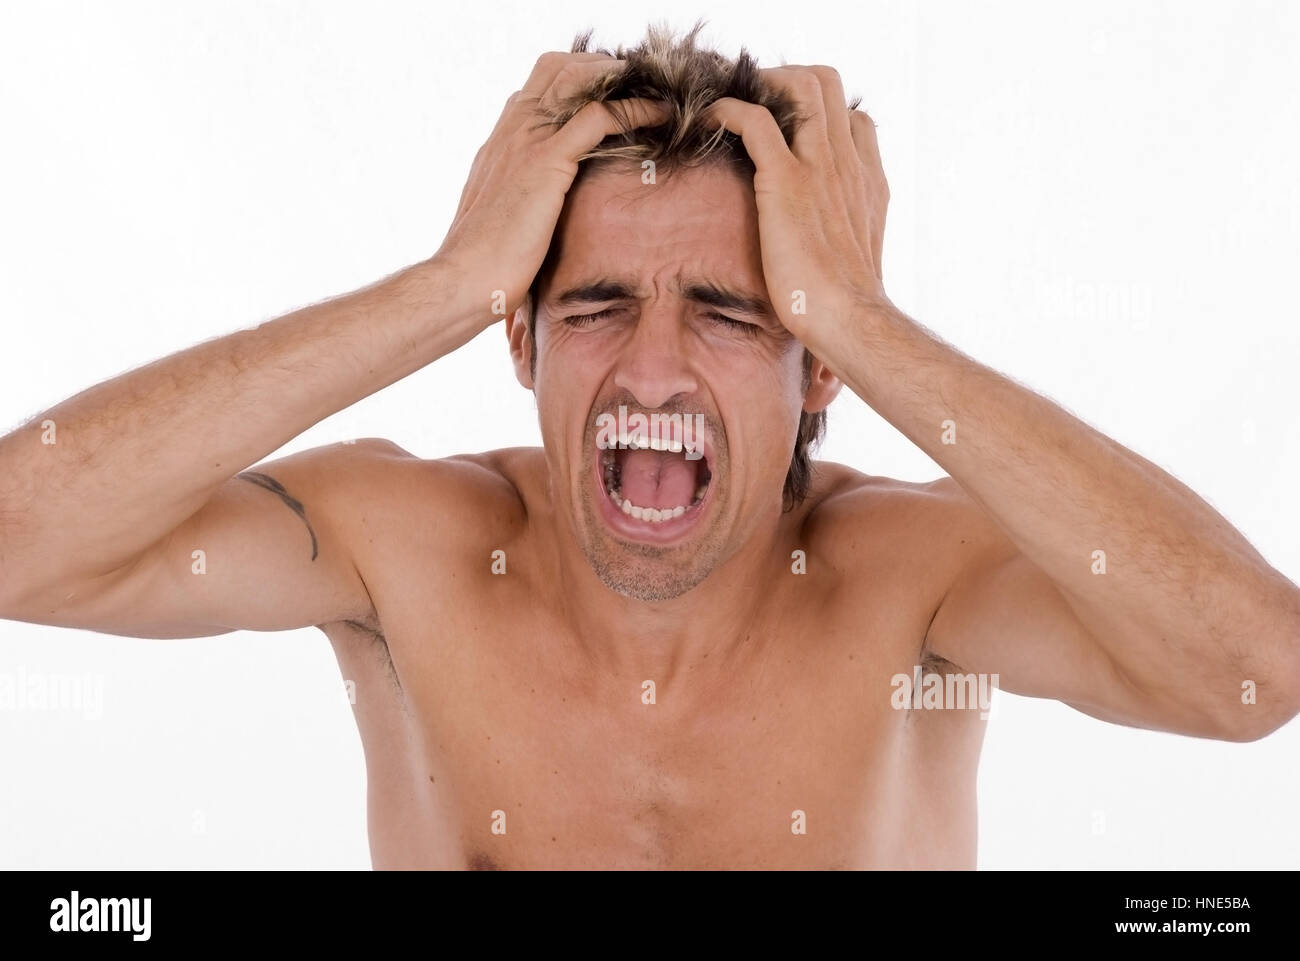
(644, 561)
(641, 571)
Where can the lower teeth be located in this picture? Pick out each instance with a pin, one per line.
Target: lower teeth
(652, 514)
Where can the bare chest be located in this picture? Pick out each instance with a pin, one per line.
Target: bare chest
(508, 754)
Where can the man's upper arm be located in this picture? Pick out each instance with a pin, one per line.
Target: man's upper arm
(269, 551)
(1002, 615)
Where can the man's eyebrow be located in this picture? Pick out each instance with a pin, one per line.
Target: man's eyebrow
(601, 291)
(595, 292)
(721, 297)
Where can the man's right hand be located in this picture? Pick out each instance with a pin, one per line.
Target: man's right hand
(106, 498)
(516, 188)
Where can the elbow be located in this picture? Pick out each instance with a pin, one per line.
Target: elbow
(1268, 695)
(1254, 726)
(1260, 720)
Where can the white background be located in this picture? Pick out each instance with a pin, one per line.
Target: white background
(1098, 199)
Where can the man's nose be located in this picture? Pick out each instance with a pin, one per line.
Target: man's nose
(654, 366)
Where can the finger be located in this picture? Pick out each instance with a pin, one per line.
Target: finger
(851, 179)
(598, 119)
(551, 63)
(758, 131)
(864, 139)
(567, 72)
(865, 142)
(576, 77)
(868, 147)
(837, 116)
(812, 139)
(524, 108)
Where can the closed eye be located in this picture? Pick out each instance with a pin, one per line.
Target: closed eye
(584, 320)
(732, 323)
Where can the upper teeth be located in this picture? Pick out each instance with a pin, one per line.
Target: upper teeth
(637, 442)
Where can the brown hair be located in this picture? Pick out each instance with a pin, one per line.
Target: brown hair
(688, 78)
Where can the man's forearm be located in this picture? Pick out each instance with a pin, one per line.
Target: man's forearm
(1174, 568)
(89, 484)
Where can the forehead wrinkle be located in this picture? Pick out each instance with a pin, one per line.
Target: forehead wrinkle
(687, 211)
(693, 208)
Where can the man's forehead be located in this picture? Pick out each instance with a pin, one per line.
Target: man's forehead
(617, 196)
(697, 227)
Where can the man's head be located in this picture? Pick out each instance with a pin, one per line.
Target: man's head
(652, 298)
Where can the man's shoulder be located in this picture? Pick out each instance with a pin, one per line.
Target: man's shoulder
(854, 511)
(376, 480)
(846, 492)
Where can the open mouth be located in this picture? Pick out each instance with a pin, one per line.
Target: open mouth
(654, 482)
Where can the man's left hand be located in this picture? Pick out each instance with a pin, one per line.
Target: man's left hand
(821, 203)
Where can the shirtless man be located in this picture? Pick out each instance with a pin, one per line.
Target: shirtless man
(545, 678)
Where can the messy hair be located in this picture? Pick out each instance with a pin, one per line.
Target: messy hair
(688, 78)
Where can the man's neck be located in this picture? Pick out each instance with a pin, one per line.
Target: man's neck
(662, 639)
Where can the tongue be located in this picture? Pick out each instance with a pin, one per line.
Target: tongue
(658, 479)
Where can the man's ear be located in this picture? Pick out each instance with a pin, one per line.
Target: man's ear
(823, 386)
(521, 346)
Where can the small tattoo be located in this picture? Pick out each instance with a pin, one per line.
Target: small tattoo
(295, 505)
